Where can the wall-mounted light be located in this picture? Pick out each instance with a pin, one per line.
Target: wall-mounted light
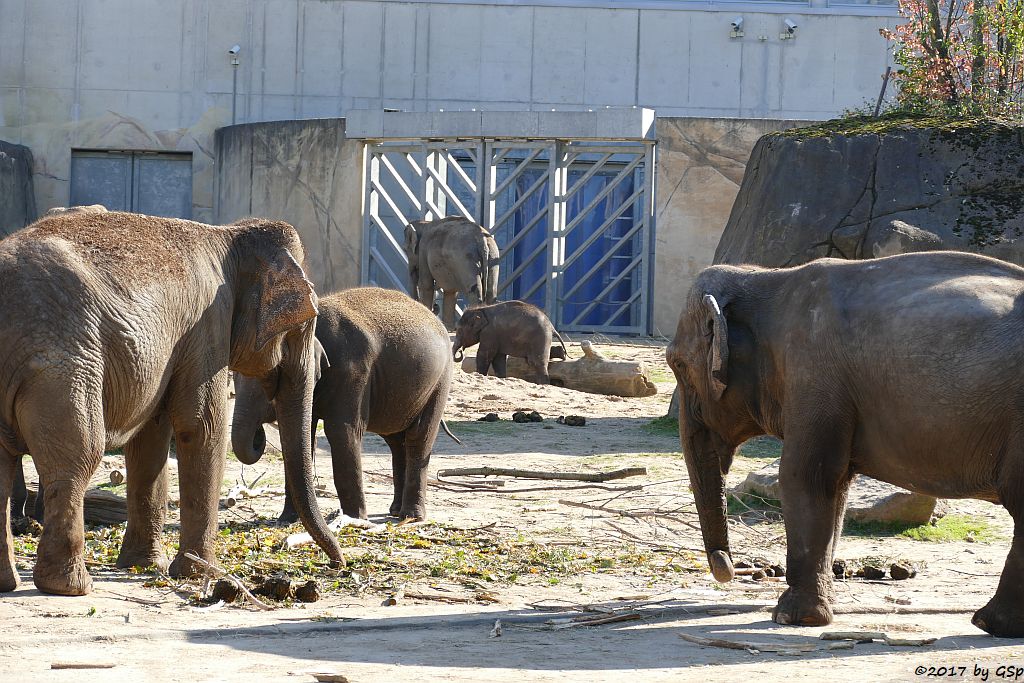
(737, 28)
(789, 32)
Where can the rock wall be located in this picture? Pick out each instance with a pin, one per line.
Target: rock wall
(18, 207)
(877, 190)
(303, 172)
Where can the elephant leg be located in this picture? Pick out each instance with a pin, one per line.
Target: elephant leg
(500, 363)
(425, 289)
(486, 355)
(345, 431)
(538, 370)
(419, 442)
(396, 442)
(199, 420)
(10, 469)
(1003, 616)
(448, 309)
(19, 491)
(814, 475)
(145, 459)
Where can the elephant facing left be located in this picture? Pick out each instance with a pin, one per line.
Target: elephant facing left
(120, 331)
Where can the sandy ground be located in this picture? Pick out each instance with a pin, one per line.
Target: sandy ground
(155, 634)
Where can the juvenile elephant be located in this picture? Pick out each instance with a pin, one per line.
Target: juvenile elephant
(509, 328)
(905, 369)
(120, 330)
(389, 374)
(454, 255)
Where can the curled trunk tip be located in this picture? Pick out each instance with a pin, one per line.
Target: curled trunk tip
(721, 566)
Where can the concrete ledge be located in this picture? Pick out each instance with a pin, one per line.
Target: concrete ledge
(628, 123)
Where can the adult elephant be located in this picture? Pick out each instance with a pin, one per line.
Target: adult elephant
(454, 255)
(390, 370)
(120, 330)
(905, 369)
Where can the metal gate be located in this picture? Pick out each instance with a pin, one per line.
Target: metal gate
(573, 220)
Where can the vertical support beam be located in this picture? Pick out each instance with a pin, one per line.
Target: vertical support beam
(557, 183)
(489, 183)
(371, 175)
(647, 235)
(435, 195)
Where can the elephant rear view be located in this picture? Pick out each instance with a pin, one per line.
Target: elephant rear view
(389, 373)
(455, 255)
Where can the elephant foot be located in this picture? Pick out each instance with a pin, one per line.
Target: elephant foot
(803, 608)
(415, 514)
(9, 579)
(288, 517)
(182, 567)
(1000, 619)
(66, 579)
(142, 558)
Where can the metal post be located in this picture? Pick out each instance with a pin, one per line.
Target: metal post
(234, 88)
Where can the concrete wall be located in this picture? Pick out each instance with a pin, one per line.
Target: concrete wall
(303, 172)
(700, 165)
(307, 173)
(155, 75)
(18, 206)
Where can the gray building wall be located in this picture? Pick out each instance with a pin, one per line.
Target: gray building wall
(155, 75)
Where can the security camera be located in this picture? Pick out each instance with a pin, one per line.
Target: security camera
(234, 50)
(737, 23)
(790, 26)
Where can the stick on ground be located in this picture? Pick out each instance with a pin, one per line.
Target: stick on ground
(222, 574)
(533, 474)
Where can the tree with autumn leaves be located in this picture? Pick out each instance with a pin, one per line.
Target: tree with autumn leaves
(960, 57)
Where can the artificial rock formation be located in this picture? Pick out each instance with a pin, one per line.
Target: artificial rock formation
(18, 207)
(865, 188)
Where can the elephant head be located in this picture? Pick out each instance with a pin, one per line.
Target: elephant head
(254, 407)
(273, 341)
(467, 332)
(711, 362)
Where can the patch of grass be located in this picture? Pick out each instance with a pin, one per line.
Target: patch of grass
(761, 447)
(740, 503)
(665, 425)
(863, 124)
(379, 562)
(660, 374)
(947, 529)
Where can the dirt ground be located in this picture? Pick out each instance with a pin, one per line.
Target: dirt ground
(640, 555)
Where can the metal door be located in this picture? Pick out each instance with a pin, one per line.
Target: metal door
(573, 219)
(154, 183)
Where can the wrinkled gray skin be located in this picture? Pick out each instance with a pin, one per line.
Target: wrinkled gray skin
(454, 255)
(905, 369)
(120, 331)
(509, 328)
(389, 374)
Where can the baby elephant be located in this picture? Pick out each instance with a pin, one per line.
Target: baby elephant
(509, 328)
(387, 371)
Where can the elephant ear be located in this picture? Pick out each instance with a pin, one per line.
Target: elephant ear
(717, 333)
(479, 319)
(287, 299)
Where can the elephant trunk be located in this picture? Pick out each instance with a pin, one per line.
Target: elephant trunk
(248, 438)
(457, 353)
(294, 402)
(708, 482)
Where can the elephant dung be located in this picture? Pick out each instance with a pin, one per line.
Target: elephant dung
(225, 590)
(308, 592)
(869, 500)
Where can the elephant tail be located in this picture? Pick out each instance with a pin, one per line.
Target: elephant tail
(560, 341)
(444, 426)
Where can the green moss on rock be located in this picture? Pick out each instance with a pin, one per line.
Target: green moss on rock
(973, 129)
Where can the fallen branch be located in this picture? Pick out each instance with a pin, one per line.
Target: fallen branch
(631, 515)
(533, 474)
(446, 484)
(219, 573)
(748, 645)
(871, 636)
(452, 599)
(303, 538)
(82, 665)
(588, 620)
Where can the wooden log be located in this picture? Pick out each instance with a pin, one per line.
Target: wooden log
(101, 506)
(593, 374)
